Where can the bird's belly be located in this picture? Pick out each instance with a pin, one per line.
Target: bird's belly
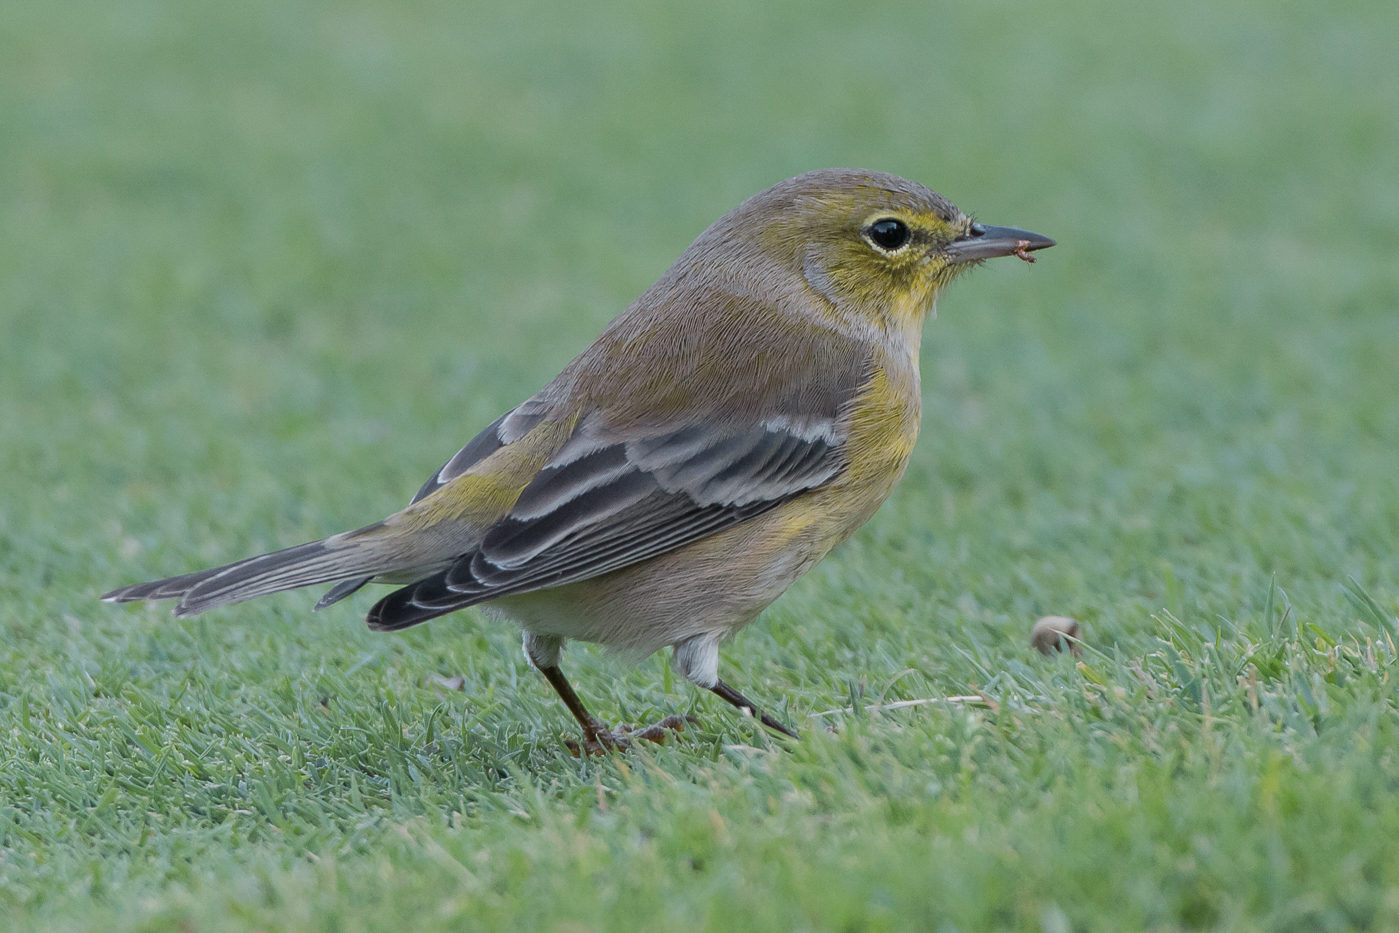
(714, 587)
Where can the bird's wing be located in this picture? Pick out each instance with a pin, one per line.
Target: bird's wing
(508, 428)
(602, 503)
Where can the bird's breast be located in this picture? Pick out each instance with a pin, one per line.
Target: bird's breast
(883, 427)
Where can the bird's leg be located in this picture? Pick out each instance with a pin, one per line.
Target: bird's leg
(598, 737)
(731, 695)
(697, 658)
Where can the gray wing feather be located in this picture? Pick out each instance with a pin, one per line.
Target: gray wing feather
(612, 505)
(506, 429)
(511, 425)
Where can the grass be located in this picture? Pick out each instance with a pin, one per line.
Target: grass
(264, 266)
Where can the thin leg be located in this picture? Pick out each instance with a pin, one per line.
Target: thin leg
(593, 727)
(597, 737)
(731, 695)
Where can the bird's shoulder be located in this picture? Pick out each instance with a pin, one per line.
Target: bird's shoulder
(689, 389)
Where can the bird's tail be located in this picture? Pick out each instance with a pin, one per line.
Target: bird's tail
(354, 556)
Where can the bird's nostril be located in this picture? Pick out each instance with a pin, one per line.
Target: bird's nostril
(976, 230)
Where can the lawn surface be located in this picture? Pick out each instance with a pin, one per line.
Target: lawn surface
(264, 266)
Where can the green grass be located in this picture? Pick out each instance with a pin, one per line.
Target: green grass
(264, 266)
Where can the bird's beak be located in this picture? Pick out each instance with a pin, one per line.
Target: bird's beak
(982, 241)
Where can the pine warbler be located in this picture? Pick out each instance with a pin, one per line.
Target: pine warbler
(738, 420)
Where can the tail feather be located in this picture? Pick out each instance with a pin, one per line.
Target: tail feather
(169, 588)
(329, 561)
(339, 591)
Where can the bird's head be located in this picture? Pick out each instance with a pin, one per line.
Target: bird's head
(871, 244)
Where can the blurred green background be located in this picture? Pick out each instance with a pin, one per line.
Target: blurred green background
(264, 266)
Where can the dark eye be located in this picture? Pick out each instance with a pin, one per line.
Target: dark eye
(888, 233)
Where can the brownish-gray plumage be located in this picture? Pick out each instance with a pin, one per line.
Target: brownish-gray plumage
(745, 414)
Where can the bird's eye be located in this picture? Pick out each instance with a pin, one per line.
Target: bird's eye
(888, 233)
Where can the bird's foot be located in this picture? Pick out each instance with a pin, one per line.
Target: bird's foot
(599, 739)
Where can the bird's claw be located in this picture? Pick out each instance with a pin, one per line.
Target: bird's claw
(600, 740)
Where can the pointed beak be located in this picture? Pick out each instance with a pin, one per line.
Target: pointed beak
(982, 241)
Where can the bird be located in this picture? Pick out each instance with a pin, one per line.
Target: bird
(740, 418)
